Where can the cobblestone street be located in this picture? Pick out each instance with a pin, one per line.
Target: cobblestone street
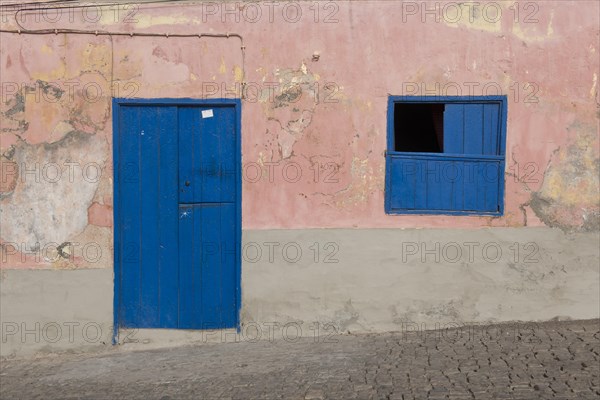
(556, 360)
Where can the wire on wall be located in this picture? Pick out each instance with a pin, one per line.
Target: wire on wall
(22, 30)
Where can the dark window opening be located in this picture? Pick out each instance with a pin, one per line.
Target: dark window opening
(419, 127)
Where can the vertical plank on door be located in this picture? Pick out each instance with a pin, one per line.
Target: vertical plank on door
(187, 266)
(168, 215)
(209, 224)
(149, 221)
(129, 195)
(228, 251)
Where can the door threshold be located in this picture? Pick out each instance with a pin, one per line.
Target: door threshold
(148, 339)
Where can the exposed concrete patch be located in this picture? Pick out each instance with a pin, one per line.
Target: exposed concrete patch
(92, 248)
(89, 109)
(12, 114)
(366, 178)
(55, 188)
(346, 317)
(60, 131)
(292, 105)
(38, 103)
(365, 181)
(49, 90)
(16, 105)
(9, 175)
(568, 198)
(41, 111)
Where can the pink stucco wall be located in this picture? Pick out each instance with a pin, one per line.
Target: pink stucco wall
(317, 90)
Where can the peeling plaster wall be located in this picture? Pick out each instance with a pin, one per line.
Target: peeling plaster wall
(320, 104)
(53, 205)
(313, 138)
(568, 198)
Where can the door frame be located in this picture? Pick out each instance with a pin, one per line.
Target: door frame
(117, 103)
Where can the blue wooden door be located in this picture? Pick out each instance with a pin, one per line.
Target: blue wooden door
(177, 215)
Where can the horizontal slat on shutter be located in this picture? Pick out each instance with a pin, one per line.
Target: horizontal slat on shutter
(435, 183)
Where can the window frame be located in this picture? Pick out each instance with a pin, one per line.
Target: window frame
(500, 156)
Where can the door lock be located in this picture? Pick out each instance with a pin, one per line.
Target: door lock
(187, 183)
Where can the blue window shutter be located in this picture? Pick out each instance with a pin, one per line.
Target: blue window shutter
(434, 183)
(467, 177)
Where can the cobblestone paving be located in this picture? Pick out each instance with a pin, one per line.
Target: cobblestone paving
(558, 360)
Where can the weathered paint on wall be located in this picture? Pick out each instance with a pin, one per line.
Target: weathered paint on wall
(316, 101)
(331, 110)
(316, 91)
